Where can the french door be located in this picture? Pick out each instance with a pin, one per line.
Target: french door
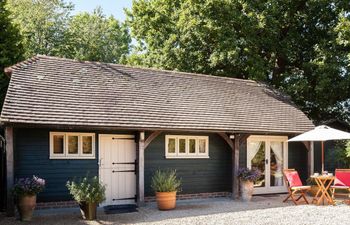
(269, 154)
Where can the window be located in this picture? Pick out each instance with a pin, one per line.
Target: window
(72, 145)
(177, 146)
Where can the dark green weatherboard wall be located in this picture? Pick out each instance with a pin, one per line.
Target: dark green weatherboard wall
(198, 175)
(32, 158)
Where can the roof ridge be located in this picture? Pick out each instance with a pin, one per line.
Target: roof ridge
(150, 69)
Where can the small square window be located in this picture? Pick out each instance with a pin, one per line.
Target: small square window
(171, 145)
(182, 146)
(73, 144)
(202, 146)
(192, 146)
(87, 144)
(58, 143)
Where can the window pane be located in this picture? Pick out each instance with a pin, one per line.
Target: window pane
(202, 145)
(73, 144)
(87, 144)
(171, 145)
(58, 141)
(192, 146)
(182, 145)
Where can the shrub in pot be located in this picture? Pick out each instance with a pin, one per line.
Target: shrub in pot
(165, 184)
(88, 192)
(247, 178)
(25, 191)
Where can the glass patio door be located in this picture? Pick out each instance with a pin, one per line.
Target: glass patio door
(269, 155)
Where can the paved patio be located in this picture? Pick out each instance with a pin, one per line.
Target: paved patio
(262, 210)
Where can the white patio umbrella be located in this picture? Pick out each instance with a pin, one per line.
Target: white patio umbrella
(322, 133)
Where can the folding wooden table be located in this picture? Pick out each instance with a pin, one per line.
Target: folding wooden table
(323, 182)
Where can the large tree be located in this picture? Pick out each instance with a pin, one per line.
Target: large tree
(42, 24)
(10, 48)
(298, 46)
(93, 36)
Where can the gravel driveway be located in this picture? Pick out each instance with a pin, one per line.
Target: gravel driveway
(262, 210)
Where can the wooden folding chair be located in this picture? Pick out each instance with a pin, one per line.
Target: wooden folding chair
(295, 187)
(341, 182)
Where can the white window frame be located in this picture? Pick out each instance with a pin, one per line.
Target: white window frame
(66, 155)
(187, 154)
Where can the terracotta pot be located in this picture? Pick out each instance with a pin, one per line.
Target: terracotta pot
(247, 189)
(26, 205)
(88, 210)
(166, 200)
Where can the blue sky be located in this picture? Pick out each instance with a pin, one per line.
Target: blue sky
(110, 7)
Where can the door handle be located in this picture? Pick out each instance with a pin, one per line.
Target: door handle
(266, 161)
(100, 162)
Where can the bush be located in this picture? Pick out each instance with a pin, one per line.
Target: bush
(165, 181)
(28, 186)
(88, 190)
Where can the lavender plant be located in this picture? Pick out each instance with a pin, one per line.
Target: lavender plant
(246, 174)
(28, 186)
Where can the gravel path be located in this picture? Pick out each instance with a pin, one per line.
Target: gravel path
(262, 210)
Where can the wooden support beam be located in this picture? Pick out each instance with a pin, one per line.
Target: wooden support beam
(235, 166)
(227, 139)
(10, 208)
(151, 137)
(141, 169)
(310, 161)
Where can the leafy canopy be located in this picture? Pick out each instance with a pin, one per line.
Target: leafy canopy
(97, 38)
(11, 49)
(300, 47)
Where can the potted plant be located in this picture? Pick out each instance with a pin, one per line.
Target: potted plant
(88, 192)
(25, 191)
(247, 178)
(165, 184)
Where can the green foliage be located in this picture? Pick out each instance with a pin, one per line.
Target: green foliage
(87, 190)
(165, 181)
(97, 38)
(11, 49)
(300, 47)
(48, 28)
(42, 24)
(339, 157)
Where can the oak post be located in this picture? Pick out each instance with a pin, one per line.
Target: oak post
(235, 165)
(10, 208)
(141, 167)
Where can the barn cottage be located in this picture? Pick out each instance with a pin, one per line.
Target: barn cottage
(64, 118)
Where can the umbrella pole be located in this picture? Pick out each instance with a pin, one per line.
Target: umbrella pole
(322, 157)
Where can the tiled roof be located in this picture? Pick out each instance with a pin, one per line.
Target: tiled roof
(55, 91)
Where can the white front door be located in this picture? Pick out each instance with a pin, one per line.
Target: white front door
(117, 164)
(269, 154)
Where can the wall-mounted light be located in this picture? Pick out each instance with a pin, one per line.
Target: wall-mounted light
(232, 136)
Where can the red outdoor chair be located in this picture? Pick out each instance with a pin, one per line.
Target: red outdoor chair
(296, 189)
(341, 182)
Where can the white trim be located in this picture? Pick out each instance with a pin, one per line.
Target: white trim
(187, 154)
(66, 155)
(268, 189)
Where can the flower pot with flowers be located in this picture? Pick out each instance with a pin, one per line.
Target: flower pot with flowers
(25, 191)
(247, 178)
(88, 192)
